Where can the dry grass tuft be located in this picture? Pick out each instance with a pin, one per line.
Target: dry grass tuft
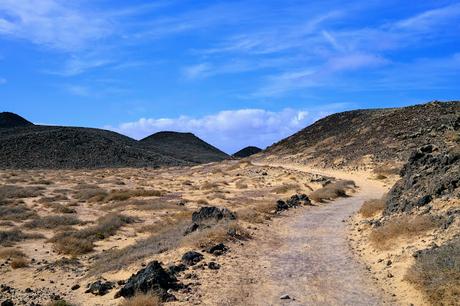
(384, 237)
(437, 273)
(18, 192)
(142, 300)
(285, 188)
(52, 222)
(11, 253)
(7, 238)
(332, 191)
(82, 241)
(122, 195)
(18, 263)
(241, 185)
(372, 207)
(15, 211)
(221, 232)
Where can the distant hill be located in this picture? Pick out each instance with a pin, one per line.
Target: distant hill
(9, 120)
(183, 146)
(373, 136)
(248, 151)
(72, 147)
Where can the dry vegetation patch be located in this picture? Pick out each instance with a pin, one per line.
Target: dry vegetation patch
(52, 222)
(332, 191)
(142, 300)
(7, 238)
(437, 273)
(403, 226)
(17, 192)
(79, 242)
(371, 208)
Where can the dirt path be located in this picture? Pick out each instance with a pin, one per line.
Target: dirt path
(304, 254)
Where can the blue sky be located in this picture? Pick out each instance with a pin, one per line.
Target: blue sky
(235, 73)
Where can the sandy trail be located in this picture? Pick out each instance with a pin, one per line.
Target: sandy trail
(305, 254)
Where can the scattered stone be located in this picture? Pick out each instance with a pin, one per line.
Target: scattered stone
(152, 278)
(285, 297)
(213, 265)
(7, 303)
(100, 287)
(217, 249)
(175, 269)
(75, 287)
(209, 216)
(191, 258)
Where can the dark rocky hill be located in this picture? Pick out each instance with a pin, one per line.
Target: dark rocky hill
(248, 151)
(183, 146)
(9, 120)
(374, 136)
(72, 147)
(429, 174)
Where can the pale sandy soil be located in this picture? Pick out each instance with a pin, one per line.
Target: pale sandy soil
(239, 186)
(318, 255)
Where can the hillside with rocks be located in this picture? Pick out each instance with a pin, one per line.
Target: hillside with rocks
(28, 146)
(73, 148)
(375, 136)
(247, 151)
(183, 146)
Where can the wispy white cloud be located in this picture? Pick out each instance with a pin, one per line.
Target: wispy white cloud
(231, 130)
(52, 23)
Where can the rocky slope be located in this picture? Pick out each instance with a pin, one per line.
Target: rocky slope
(248, 151)
(429, 174)
(183, 146)
(375, 136)
(72, 148)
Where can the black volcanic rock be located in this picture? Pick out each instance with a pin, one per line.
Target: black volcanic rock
(248, 151)
(429, 174)
(183, 146)
(10, 120)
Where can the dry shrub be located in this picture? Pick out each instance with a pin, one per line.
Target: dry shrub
(138, 204)
(142, 300)
(332, 191)
(405, 226)
(241, 185)
(82, 241)
(15, 211)
(386, 170)
(42, 182)
(221, 232)
(59, 303)
(92, 194)
(257, 213)
(202, 202)
(17, 263)
(372, 207)
(11, 253)
(436, 272)
(52, 199)
(285, 188)
(121, 195)
(168, 237)
(7, 238)
(166, 222)
(17, 192)
(52, 222)
(208, 185)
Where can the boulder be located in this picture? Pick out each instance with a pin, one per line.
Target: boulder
(209, 216)
(100, 287)
(217, 249)
(191, 258)
(153, 278)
